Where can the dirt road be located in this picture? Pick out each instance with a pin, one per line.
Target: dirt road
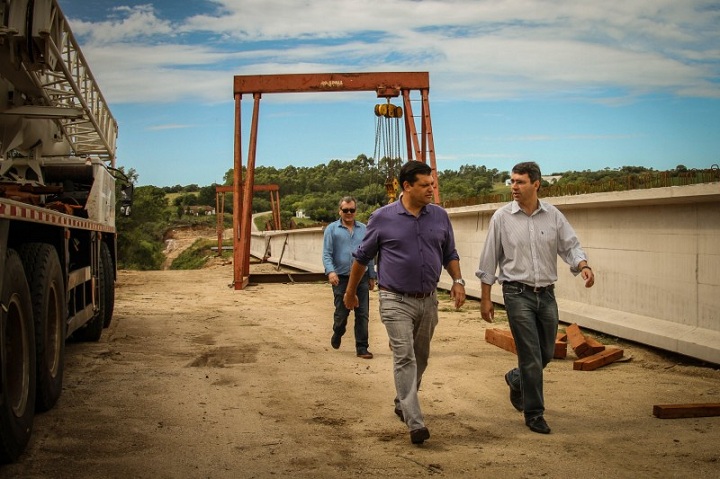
(196, 380)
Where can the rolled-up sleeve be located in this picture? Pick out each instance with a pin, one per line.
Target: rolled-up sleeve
(368, 248)
(569, 248)
(327, 255)
(449, 251)
(490, 255)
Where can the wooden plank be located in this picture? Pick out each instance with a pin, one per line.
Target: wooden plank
(577, 340)
(501, 338)
(594, 346)
(560, 346)
(598, 360)
(674, 411)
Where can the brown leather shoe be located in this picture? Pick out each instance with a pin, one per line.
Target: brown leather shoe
(365, 354)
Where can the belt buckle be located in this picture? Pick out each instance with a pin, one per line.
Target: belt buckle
(538, 289)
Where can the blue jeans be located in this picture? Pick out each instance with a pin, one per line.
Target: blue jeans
(534, 323)
(410, 324)
(362, 312)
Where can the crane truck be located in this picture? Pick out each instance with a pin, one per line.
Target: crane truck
(57, 211)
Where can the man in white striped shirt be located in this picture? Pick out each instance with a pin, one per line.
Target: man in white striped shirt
(524, 239)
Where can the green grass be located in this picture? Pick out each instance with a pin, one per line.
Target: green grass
(198, 254)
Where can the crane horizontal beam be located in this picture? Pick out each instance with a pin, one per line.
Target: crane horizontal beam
(382, 82)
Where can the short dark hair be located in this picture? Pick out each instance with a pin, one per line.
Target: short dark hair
(411, 169)
(346, 199)
(529, 168)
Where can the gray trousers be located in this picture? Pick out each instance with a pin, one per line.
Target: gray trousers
(410, 324)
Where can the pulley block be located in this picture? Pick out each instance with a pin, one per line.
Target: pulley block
(388, 110)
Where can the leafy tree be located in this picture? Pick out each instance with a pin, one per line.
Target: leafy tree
(140, 235)
(207, 195)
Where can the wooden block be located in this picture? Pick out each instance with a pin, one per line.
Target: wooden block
(501, 338)
(594, 346)
(577, 340)
(560, 346)
(598, 360)
(674, 411)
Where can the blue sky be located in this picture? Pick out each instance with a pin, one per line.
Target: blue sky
(571, 84)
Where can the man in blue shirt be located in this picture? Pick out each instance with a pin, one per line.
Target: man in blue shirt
(524, 239)
(413, 241)
(339, 241)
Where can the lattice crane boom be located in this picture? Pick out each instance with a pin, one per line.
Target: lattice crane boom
(52, 80)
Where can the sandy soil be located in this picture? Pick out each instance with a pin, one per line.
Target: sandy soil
(196, 380)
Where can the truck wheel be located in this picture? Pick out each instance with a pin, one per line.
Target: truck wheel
(17, 361)
(92, 331)
(47, 290)
(109, 271)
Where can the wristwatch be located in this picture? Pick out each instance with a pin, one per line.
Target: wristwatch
(459, 281)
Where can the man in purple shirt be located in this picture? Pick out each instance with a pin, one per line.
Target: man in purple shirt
(413, 240)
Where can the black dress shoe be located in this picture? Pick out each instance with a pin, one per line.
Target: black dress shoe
(335, 341)
(365, 354)
(418, 436)
(516, 397)
(538, 424)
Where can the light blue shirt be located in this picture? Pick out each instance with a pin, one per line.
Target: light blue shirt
(338, 246)
(526, 247)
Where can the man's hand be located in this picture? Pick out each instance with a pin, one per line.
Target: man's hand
(487, 309)
(371, 284)
(333, 278)
(351, 300)
(588, 276)
(457, 292)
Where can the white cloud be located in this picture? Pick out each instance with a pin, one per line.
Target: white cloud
(131, 23)
(473, 49)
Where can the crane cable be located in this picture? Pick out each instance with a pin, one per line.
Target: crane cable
(388, 144)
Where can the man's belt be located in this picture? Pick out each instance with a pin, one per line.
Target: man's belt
(411, 295)
(534, 289)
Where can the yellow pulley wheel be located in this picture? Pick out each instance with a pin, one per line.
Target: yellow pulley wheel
(395, 111)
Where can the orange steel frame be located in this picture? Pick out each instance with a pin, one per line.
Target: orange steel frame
(385, 84)
(220, 207)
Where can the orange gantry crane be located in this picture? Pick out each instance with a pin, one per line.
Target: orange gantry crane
(420, 147)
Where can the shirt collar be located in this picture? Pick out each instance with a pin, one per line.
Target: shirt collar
(515, 208)
(400, 207)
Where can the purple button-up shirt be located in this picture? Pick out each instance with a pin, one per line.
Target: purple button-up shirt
(411, 251)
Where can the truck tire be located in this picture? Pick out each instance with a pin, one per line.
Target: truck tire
(17, 361)
(93, 329)
(109, 271)
(47, 290)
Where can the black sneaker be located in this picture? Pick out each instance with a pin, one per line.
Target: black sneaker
(516, 397)
(418, 436)
(335, 341)
(538, 425)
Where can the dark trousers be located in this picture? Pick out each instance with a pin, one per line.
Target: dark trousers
(362, 312)
(533, 321)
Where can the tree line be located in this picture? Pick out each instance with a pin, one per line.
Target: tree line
(316, 191)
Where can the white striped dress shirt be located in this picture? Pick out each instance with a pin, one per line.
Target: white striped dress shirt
(525, 248)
